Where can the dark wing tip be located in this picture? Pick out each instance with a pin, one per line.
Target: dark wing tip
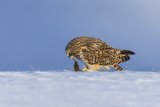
(127, 52)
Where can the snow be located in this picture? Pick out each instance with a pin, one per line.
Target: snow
(79, 89)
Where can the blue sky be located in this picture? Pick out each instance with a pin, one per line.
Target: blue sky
(35, 32)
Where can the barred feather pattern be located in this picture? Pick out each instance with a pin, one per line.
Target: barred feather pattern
(93, 51)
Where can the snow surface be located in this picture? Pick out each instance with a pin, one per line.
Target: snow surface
(79, 89)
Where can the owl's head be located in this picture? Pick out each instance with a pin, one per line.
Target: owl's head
(69, 52)
(72, 49)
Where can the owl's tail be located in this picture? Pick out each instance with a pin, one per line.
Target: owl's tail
(125, 55)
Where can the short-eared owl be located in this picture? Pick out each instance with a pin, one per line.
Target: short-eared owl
(95, 54)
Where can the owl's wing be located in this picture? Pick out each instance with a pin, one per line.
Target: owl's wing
(97, 44)
(102, 56)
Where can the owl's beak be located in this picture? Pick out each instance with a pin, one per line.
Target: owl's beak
(70, 56)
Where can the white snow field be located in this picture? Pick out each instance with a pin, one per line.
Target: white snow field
(79, 89)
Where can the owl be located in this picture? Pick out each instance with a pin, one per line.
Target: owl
(95, 54)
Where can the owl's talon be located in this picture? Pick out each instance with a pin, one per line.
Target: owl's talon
(84, 69)
(88, 70)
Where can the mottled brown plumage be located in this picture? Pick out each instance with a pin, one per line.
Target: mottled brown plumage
(96, 54)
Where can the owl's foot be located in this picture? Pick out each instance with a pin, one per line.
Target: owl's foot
(88, 70)
(117, 67)
(91, 68)
(85, 69)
